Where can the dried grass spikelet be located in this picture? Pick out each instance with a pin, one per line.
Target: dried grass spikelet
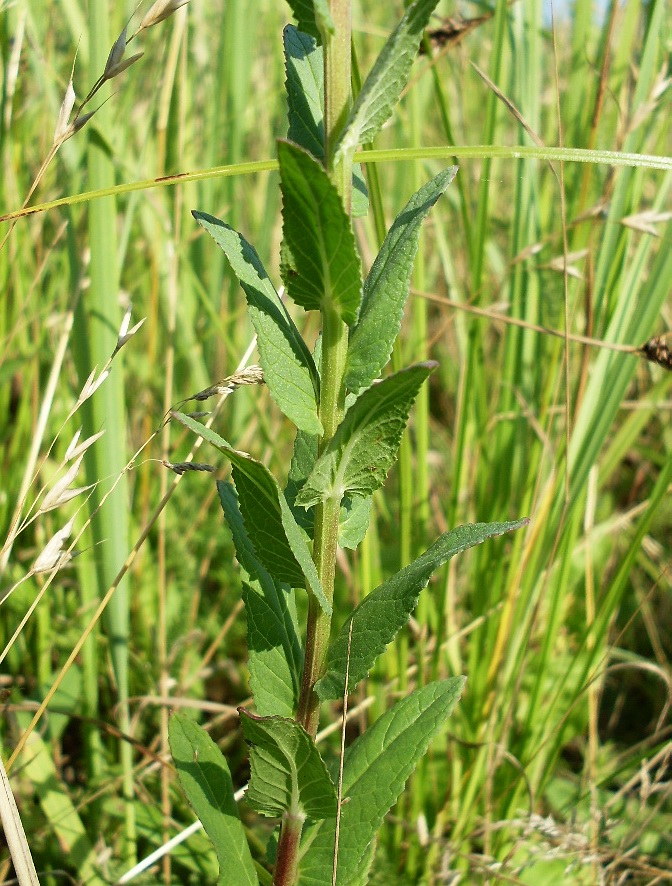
(53, 554)
(76, 448)
(645, 221)
(159, 12)
(91, 386)
(657, 350)
(558, 263)
(252, 375)
(60, 492)
(124, 332)
(63, 122)
(181, 467)
(452, 30)
(64, 129)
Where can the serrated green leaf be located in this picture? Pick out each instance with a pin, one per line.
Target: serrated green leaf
(375, 770)
(304, 457)
(260, 506)
(288, 367)
(288, 774)
(386, 288)
(365, 445)
(304, 67)
(353, 521)
(206, 780)
(275, 657)
(312, 16)
(383, 612)
(270, 524)
(325, 270)
(272, 677)
(355, 512)
(386, 80)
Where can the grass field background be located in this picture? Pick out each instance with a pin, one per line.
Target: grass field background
(555, 767)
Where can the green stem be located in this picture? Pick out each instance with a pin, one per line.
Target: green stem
(332, 407)
(337, 92)
(337, 66)
(332, 395)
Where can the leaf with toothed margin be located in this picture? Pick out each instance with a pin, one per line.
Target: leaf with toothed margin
(355, 511)
(313, 17)
(323, 270)
(288, 774)
(376, 767)
(386, 288)
(304, 67)
(277, 539)
(364, 447)
(383, 612)
(275, 656)
(388, 77)
(288, 366)
(354, 520)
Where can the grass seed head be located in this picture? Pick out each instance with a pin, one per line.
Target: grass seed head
(159, 12)
(657, 350)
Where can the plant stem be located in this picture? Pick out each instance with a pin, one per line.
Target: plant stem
(288, 850)
(337, 92)
(337, 60)
(337, 63)
(334, 351)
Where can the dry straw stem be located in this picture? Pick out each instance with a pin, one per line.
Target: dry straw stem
(30, 474)
(122, 572)
(655, 350)
(15, 835)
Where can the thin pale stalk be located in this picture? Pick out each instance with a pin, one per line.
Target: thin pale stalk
(97, 338)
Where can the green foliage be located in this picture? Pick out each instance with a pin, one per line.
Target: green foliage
(321, 269)
(364, 448)
(355, 511)
(323, 273)
(275, 657)
(207, 783)
(376, 620)
(554, 625)
(304, 67)
(274, 531)
(312, 16)
(375, 770)
(332, 477)
(383, 86)
(386, 288)
(288, 367)
(288, 774)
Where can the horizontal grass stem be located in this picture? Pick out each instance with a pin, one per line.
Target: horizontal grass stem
(392, 155)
